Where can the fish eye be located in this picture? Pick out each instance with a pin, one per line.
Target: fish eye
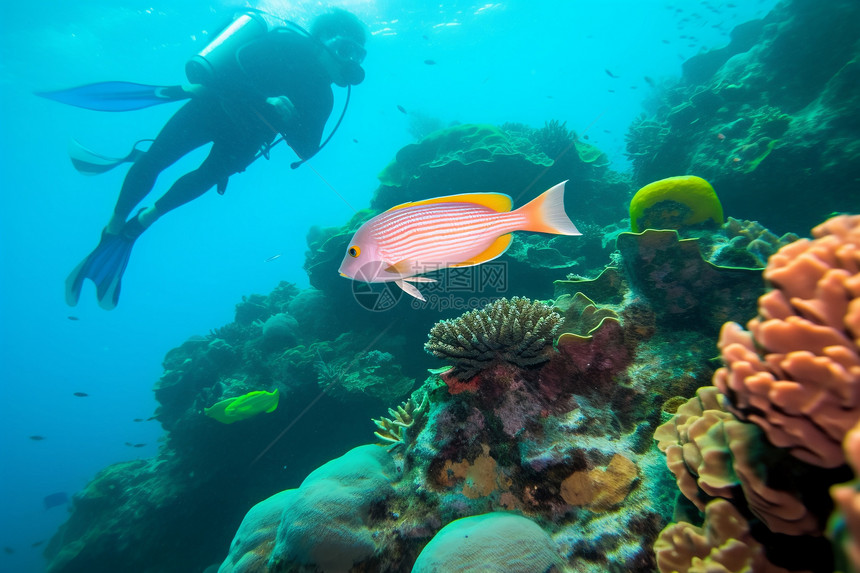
(353, 251)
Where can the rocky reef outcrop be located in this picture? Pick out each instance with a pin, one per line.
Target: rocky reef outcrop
(771, 120)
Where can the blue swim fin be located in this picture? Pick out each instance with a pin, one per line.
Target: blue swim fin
(116, 96)
(105, 267)
(91, 163)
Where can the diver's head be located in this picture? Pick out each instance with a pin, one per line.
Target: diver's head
(343, 36)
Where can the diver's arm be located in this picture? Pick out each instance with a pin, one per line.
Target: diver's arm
(284, 109)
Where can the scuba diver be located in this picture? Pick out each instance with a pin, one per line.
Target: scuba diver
(250, 86)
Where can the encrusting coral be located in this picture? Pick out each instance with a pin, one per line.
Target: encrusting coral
(394, 430)
(796, 371)
(516, 330)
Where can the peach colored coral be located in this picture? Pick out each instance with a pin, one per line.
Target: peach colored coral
(601, 489)
(710, 453)
(796, 371)
(722, 545)
(480, 477)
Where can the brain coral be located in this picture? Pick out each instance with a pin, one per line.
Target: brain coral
(491, 543)
(515, 330)
(323, 524)
(796, 371)
(256, 535)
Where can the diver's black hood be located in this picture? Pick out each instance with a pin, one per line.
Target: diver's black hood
(353, 73)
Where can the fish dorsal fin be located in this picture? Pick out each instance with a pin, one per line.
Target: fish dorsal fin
(498, 202)
(498, 247)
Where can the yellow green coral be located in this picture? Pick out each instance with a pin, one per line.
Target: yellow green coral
(674, 203)
(393, 430)
(243, 407)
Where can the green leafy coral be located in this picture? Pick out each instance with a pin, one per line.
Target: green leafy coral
(515, 330)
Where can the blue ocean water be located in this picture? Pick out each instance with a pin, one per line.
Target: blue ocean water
(530, 62)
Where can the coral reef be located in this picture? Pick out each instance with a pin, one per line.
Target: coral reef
(545, 422)
(743, 118)
(671, 273)
(440, 160)
(564, 441)
(515, 330)
(159, 514)
(469, 158)
(373, 373)
(557, 433)
(123, 494)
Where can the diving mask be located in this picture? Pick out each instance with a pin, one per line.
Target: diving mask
(346, 50)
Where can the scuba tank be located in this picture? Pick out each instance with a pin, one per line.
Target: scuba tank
(217, 63)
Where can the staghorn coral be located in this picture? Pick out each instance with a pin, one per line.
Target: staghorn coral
(713, 454)
(515, 330)
(796, 371)
(723, 544)
(394, 430)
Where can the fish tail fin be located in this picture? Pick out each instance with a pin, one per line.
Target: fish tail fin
(545, 213)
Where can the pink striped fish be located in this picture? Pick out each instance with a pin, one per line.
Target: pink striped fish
(453, 231)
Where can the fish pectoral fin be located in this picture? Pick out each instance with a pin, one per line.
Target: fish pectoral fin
(403, 267)
(410, 289)
(498, 248)
(420, 280)
(498, 202)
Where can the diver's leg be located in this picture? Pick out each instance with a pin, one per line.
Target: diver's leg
(226, 158)
(188, 129)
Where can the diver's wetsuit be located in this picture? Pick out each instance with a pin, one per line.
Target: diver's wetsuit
(237, 120)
